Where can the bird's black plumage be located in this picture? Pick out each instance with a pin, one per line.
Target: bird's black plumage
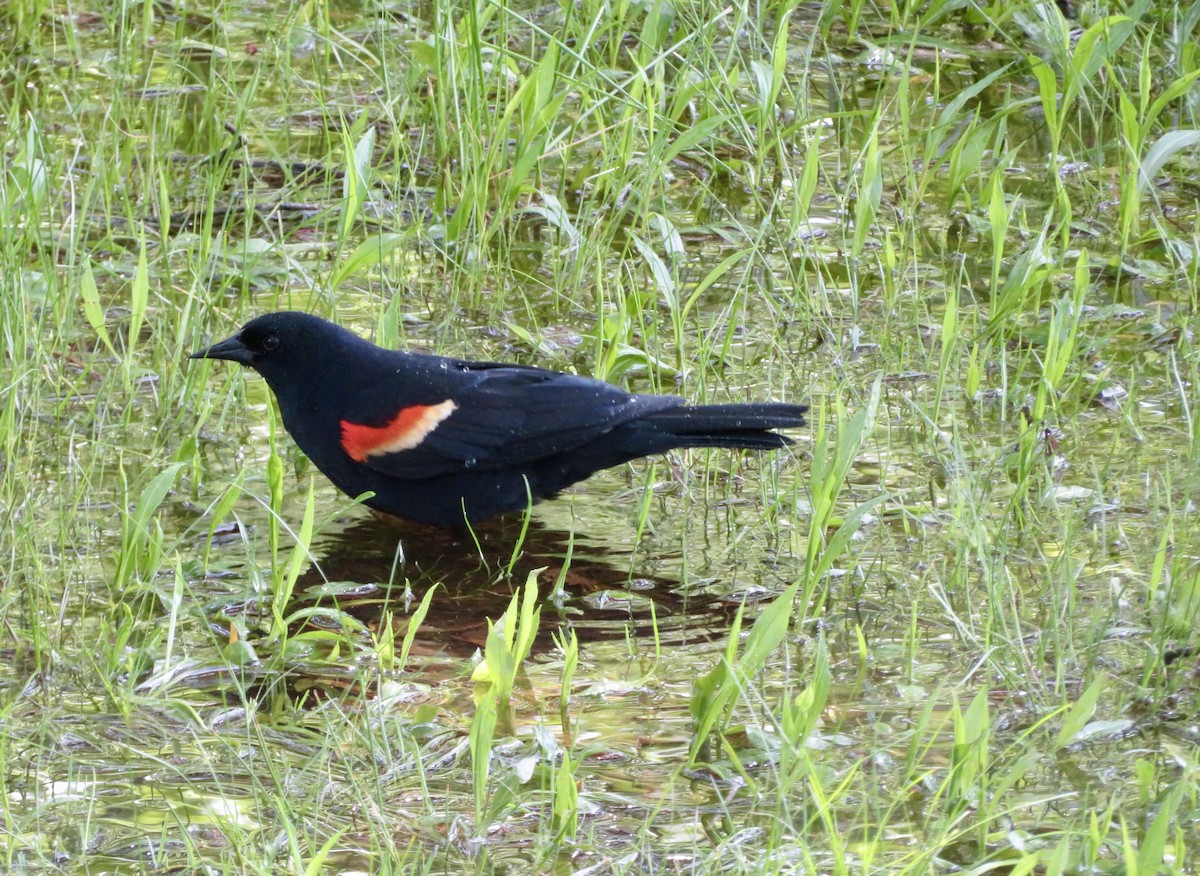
(448, 442)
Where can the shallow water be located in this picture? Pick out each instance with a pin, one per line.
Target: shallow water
(985, 573)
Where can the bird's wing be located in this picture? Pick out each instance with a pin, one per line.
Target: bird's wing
(485, 417)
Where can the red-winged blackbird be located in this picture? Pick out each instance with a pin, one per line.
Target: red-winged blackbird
(449, 442)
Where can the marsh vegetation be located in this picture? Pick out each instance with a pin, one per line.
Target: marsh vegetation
(953, 629)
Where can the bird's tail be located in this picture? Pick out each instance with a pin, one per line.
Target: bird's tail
(737, 425)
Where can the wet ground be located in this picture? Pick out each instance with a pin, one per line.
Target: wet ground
(1031, 547)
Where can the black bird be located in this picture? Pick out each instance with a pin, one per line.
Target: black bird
(450, 443)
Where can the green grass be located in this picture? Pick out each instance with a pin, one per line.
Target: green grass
(953, 629)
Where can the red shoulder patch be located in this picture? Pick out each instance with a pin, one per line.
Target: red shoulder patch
(406, 430)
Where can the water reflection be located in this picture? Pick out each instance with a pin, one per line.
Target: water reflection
(375, 567)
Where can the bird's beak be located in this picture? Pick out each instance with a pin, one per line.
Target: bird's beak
(231, 348)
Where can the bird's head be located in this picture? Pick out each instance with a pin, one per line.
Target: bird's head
(286, 347)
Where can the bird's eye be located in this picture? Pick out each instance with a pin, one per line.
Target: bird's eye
(270, 342)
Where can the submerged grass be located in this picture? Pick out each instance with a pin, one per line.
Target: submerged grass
(968, 236)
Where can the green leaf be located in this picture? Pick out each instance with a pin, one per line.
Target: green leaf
(693, 137)
(483, 730)
(1080, 713)
(91, 305)
(368, 254)
(424, 52)
(722, 268)
(663, 281)
(414, 623)
(139, 295)
(300, 553)
(1154, 843)
(1173, 91)
(779, 57)
(1164, 149)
